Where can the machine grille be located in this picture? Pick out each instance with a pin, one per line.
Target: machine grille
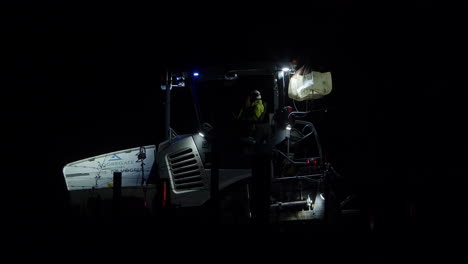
(185, 170)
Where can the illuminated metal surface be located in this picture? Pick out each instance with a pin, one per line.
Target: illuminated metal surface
(180, 161)
(97, 172)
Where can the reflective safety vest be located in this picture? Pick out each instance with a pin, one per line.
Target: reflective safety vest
(252, 113)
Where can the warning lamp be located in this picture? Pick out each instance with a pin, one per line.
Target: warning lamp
(313, 161)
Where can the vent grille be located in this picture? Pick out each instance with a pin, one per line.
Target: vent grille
(185, 170)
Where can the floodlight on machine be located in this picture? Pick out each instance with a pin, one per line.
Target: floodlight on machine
(230, 76)
(205, 129)
(309, 202)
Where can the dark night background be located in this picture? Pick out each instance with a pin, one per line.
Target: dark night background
(84, 81)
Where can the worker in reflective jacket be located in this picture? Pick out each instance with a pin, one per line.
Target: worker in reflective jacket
(250, 114)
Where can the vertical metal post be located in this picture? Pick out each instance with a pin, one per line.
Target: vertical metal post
(283, 100)
(214, 181)
(196, 104)
(117, 192)
(261, 176)
(167, 126)
(285, 86)
(275, 93)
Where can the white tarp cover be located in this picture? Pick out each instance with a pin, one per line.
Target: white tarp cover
(312, 85)
(97, 172)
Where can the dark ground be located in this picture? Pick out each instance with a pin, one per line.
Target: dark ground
(81, 82)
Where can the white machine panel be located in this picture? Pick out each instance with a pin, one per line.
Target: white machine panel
(97, 172)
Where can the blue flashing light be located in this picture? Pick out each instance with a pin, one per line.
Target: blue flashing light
(196, 74)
